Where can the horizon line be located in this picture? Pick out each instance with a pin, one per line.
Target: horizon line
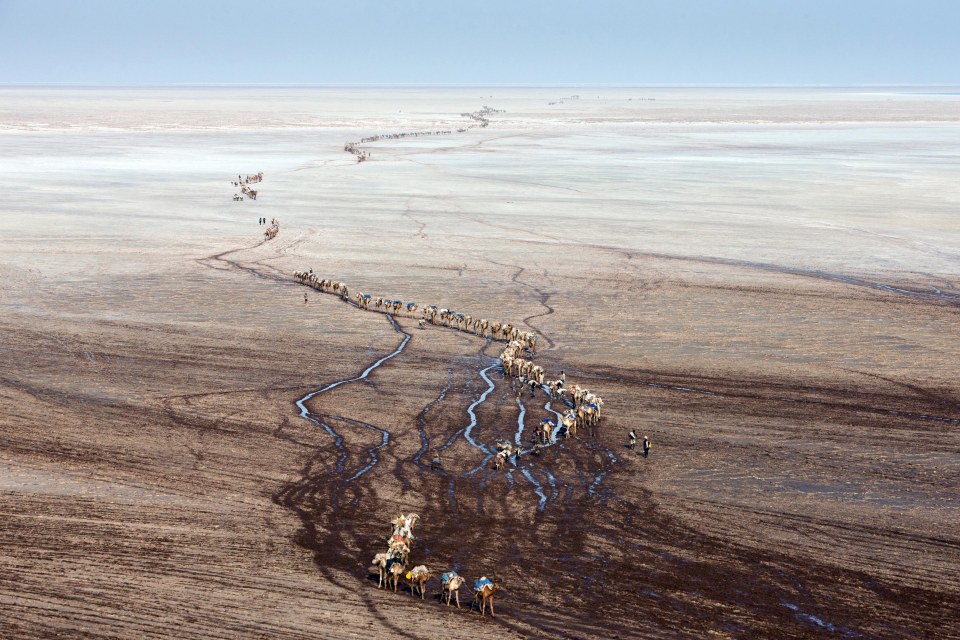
(520, 85)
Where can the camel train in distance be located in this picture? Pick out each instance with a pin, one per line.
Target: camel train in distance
(392, 564)
(584, 406)
(244, 189)
(479, 117)
(272, 230)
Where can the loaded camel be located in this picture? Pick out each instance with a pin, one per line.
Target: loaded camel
(450, 584)
(484, 589)
(395, 569)
(380, 562)
(417, 577)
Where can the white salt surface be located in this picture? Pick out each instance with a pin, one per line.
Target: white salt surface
(851, 180)
(106, 188)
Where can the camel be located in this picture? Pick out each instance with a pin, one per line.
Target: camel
(546, 429)
(395, 568)
(411, 309)
(412, 519)
(380, 562)
(422, 323)
(500, 459)
(483, 593)
(569, 422)
(400, 549)
(592, 413)
(597, 401)
(536, 372)
(418, 577)
(403, 528)
(578, 395)
(531, 341)
(450, 584)
(559, 391)
(588, 416)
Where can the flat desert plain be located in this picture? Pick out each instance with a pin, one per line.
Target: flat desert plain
(766, 282)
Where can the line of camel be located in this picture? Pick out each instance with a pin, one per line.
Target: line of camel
(392, 564)
(244, 189)
(272, 230)
(479, 117)
(584, 406)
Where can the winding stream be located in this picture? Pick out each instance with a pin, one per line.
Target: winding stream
(337, 438)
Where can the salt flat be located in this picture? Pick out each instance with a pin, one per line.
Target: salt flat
(763, 280)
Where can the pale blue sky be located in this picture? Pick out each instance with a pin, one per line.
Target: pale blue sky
(752, 42)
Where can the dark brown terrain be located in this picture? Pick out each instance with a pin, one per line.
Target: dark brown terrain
(158, 478)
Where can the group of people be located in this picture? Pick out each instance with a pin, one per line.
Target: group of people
(632, 442)
(392, 564)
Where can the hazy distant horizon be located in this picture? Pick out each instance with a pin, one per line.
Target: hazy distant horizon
(465, 85)
(752, 43)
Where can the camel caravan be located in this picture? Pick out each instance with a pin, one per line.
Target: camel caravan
(354, 147)
(583, 406)
(432, 314)
(362, 155)
(245, 189)
(272, 230)
(480, 117)
(391, 565)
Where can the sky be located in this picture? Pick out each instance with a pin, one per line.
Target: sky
(484, 42)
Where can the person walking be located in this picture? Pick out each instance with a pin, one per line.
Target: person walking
(304, 298)
(632, 436)
(646, 446)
